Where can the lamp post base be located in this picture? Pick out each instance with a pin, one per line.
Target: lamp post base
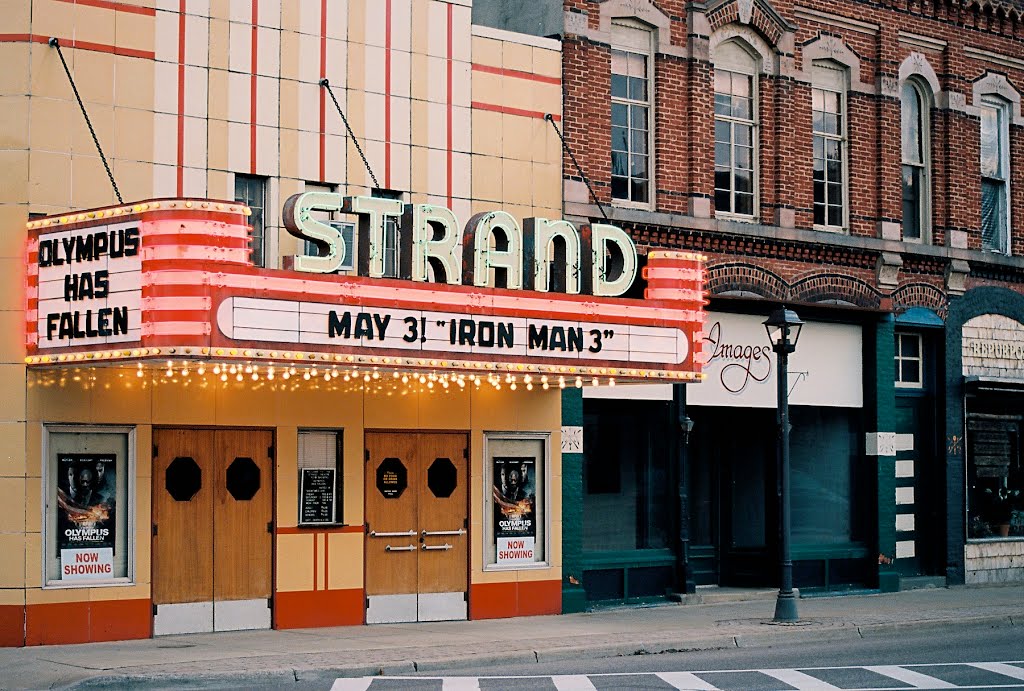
(785, 608)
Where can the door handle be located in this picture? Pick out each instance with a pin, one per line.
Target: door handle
(460, 531)
(445, 546)
(407, 548)
(407, 533)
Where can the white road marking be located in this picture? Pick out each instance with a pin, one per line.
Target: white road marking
(1000, 668)
(460, 684)
(799, 680)
(360, 684)
(915, 679)
(685, 680)
(573, 682)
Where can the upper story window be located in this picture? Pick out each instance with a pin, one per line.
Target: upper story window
(735, 131)
(909, 361)
(631, 114)
(916, 146)
(828, 106)
(995, 174)
(252, 191)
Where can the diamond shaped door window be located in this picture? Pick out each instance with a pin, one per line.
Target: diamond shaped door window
(183, 478)
(442, 478)
(243, 479)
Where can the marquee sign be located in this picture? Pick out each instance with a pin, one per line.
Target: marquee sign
(173, 279)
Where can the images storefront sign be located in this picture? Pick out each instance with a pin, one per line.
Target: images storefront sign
(86, 501)
(515, 509)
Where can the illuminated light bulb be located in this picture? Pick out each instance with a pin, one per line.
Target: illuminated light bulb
(313, 372)
(527, 379)
(233, 369)
(611, 382)
(224, 377)
(579, 383)
(405, 379)
(255, 376)
(286, 375)
(327, 376)
(545, 385)
(169, 373)
(512, 386)
(444, 383)
(462, 384)
(239, 377)
(291, 371)
(423, 380)
(202, 370)
(305, 375)
(394, 374)
(376, 374)
(248, 369)
(138, 372)
(366, 377)
(594, 382)
(430, 384)
(347, 378)
(529, 387)
(170, 365)
(270, 374)
(216, 369)
(184, 371)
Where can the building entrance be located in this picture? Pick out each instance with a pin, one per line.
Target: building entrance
(212, 516)
(416, 527)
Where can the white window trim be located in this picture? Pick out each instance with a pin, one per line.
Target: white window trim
(925, 202)
(839, 84)
(1005, 109)
(752, 70)
(900, 359)
(621, 41)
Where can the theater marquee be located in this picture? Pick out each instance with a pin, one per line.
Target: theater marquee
(171, 281)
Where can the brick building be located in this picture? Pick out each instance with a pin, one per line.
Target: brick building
(864, 164)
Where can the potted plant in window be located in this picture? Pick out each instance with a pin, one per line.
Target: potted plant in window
(1002, 501)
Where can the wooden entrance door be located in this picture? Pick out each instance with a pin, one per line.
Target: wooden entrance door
(212, 512)
(417, 520)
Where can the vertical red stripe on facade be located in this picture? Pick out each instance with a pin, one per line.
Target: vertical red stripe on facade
(387, 94)
(316, 547)
(323, 96)
(252, 88)
(448, 113)
(180, 184)
(327, 560)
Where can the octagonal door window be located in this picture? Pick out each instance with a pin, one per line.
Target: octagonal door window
(183, 478)
(442, 478)
(243, 479)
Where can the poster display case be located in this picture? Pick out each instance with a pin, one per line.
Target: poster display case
(516, 525)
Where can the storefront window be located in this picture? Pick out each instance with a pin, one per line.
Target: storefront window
(626, 489)
(515, 522)
(995, 476)
(89, 479)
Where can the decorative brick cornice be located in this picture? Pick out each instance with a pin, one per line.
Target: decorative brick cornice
(919, 294)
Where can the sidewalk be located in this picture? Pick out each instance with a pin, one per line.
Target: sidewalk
(282, 657)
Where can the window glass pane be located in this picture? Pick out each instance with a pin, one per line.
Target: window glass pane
(722, 198)
(619, 163)
(619, 86)
(819, 147)
(618, 62)
(991, 156)
(744, 157)
(745, 204)
(722, 154)
(723, 83)
(639, 142)
(834, 171)
(744, 181)
(817, 100)
(995, 467)
(637, 89)
(638, 117)
(741, 108)
(832, 149)
(819, 210)
(743, 135)
(723, 104)
(741, 85)
(723, 131)
(911, 118)
(620, 114)
(835, 216)
(636, 65)
(723, 178)
(993, 215)
(620, 188)
(639, 190)
(911, 203)
(639, 167)
(620, 139)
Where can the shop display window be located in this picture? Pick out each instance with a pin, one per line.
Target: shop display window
(88, 506)
(515, 490)
(320, 462)
(995, 476)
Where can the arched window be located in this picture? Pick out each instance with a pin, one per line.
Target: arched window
(995, 174)
(828, 110)
(916, 158)
(735, 130)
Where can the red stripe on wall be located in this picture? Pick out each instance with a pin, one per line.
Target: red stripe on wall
(116, 6)
(79, 45)
(252, 88)
(327, 561)
(514, 599)
(448, 113)
(387, 94)
(316, 548)
(181, 99)
(303, 610)
(518, 74)
(88, 622)
(323, 96)
(508, 110)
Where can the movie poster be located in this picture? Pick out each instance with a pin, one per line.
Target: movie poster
(86, 500)
(515, 509)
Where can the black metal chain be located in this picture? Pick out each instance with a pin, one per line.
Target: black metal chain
(54, 43)
(551, 118)
(327, 85)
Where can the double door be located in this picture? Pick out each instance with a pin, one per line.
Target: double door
(416, 527)
(212, 545)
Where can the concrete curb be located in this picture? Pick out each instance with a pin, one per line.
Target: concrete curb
(281, 676)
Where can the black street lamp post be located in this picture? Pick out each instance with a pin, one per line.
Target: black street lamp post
(783, 327)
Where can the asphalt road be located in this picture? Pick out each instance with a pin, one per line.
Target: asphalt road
(933, 659)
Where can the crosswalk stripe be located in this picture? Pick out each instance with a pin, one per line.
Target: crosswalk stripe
(915, 679)
(460, 684)
(1000, 668)
(686, 680)
(573, 682)
(360, 684)
(799, 680)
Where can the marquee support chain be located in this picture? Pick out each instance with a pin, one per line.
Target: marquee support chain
(565, 145)
(327, 85)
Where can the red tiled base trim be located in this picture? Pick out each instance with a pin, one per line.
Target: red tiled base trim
(528, 598)
(88, 622)
(310, 609)
(12, 625)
